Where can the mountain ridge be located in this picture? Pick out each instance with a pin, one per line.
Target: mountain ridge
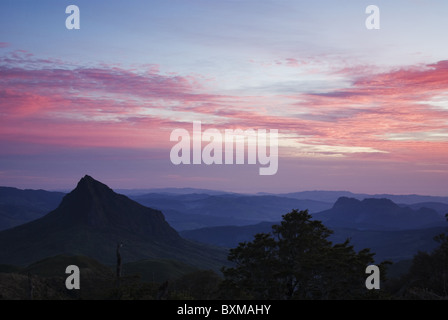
(90, 221)
(377, 214)
(387, 245)
(333, 196)
(188, 211)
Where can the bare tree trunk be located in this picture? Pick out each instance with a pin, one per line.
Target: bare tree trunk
(119, 262)
(30, 287)
(163, 291)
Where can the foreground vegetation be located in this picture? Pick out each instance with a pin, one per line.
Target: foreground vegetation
(293, 261)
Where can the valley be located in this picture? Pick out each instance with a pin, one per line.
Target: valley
(171, 234)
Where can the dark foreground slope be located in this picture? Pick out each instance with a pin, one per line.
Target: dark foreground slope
(90, 221)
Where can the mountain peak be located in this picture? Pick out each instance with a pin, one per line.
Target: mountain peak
(343, 202)
(376, 214)
(88, 178)
(90, 221)
(95, 205)
(92, 185)
(89, 196)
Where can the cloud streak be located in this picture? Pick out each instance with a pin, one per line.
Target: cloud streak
(389, 114)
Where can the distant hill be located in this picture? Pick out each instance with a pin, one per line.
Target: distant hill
(325, 196)
(333, 196)
(171, 191)
(227, 236)
(440, 208)
(90, 221)
(377, 214)
(21, 206)
(391, 245)
(192, 211)
(192, 208)
(388, 245)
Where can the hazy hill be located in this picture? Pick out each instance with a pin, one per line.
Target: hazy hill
(325, 196)
(440, 208)
(90, 221)
(20, 206)
(227, 236)
(388, 245)
(391, 245)
(172, 191)
(191, 211)
(377, 214)
(333, 196)
(189, 208)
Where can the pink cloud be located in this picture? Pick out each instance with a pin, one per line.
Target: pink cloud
(292, 62)
(116, 81)
(4, 44)
(113, 106)
(379, 107)
(88, 106)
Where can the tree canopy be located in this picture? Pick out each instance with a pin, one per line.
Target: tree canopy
(428, 275)
(297, 261)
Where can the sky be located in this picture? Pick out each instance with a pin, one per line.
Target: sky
(356, 109)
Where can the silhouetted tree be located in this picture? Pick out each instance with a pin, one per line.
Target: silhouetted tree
(297, 261)
(428, 276)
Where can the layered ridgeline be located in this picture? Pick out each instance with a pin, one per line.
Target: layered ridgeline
(392, 231)
(90, 221)
(378, 214)
(21, 206)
